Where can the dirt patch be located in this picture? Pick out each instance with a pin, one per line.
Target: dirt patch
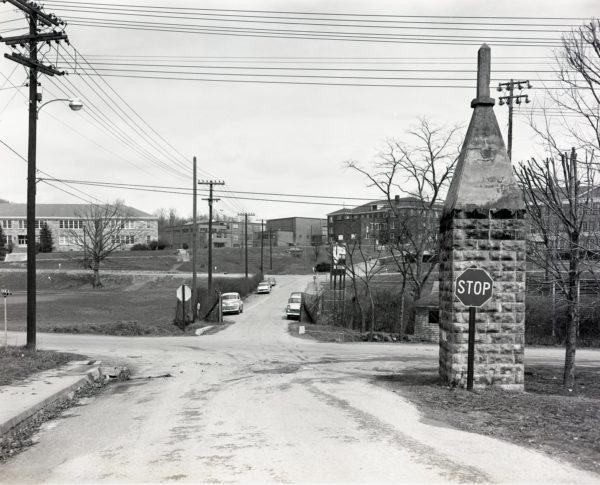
(18, 363)
(562, 423)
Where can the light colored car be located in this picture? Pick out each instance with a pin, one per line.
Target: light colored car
(232, 303)
(263, 287)
(293, 307)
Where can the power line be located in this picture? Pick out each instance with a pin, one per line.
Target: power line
(187, 9)
(116, 184)
(51, 177)
(320, 35)
(187, 191)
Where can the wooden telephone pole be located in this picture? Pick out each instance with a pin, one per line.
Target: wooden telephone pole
(245, 215)
(510, 101)
(38, 21)
(210, 200)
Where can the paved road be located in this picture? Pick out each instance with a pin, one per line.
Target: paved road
(253, 403)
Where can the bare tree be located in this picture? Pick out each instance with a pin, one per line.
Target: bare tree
(420, 168)
(571, 113)
(558, 195)
(362, 269)
(103, 229)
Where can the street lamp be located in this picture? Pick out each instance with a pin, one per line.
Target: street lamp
(75, 104)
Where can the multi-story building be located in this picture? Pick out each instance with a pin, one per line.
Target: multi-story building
(65, 221)
(377, 223)
(225, 234)
(297, 231)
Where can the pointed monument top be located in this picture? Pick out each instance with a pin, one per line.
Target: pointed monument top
(483, 178)
(484, 61)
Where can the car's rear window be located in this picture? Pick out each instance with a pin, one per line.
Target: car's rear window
(230, 297)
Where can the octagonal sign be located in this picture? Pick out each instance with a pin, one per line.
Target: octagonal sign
(474, 287)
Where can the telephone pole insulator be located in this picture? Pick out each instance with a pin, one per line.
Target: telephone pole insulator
(510, 100)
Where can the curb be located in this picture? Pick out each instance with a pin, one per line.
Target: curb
(93, 375)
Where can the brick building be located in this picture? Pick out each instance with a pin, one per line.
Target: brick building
(378, 224)
(297, 231)
(225, 234)
(64, 220)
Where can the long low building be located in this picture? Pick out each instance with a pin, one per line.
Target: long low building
(66, 222)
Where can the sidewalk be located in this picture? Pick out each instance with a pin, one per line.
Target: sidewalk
(22, 400)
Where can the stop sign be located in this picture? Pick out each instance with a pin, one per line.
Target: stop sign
(474, 287)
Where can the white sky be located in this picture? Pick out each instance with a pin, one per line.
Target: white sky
(261, 138)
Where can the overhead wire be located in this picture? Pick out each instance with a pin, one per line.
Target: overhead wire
(186, 191)
(131, 124)
(288, 12)
(52, 178)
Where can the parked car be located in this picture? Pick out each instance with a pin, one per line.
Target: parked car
(322, 267)
(271, 281)
(263, 287)
(292, 310)
(232, 303)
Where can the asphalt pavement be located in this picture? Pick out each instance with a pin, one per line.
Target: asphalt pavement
(255, 404)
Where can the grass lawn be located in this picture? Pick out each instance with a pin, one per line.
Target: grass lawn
(17, 363)
(127, 305)
(546, 417)
(112, 311)
(231, 260)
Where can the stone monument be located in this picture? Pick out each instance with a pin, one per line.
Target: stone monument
(483, 226)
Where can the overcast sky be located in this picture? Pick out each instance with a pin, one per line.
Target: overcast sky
(256, 137)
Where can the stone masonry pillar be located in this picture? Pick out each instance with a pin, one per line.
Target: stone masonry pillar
(483, 226)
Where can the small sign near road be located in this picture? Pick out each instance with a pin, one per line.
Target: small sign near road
(184, 293)
(474, 287)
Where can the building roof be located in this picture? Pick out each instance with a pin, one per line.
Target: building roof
(59, 210)
(381, 204)
(320, 219)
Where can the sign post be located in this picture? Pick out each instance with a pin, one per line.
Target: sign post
(474, 287)
(5, 294)
(184, 293)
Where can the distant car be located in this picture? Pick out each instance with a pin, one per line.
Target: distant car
(322, 267)
(292, 310)
(232, 303)
(271, 281)
(263, 287)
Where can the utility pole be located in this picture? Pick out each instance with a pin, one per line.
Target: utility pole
(262, 243)
(194, 230)
(245, 215)
(210, 200)
(271, 249)
(38, 19)
(510, 101)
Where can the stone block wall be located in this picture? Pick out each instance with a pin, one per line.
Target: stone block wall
(493, 240)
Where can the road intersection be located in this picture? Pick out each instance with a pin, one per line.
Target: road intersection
(253, 403)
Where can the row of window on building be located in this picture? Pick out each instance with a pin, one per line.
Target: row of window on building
(62, 224)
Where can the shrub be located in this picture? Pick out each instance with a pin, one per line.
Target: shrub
(157, 244)
(539, 315)
(139, 247)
